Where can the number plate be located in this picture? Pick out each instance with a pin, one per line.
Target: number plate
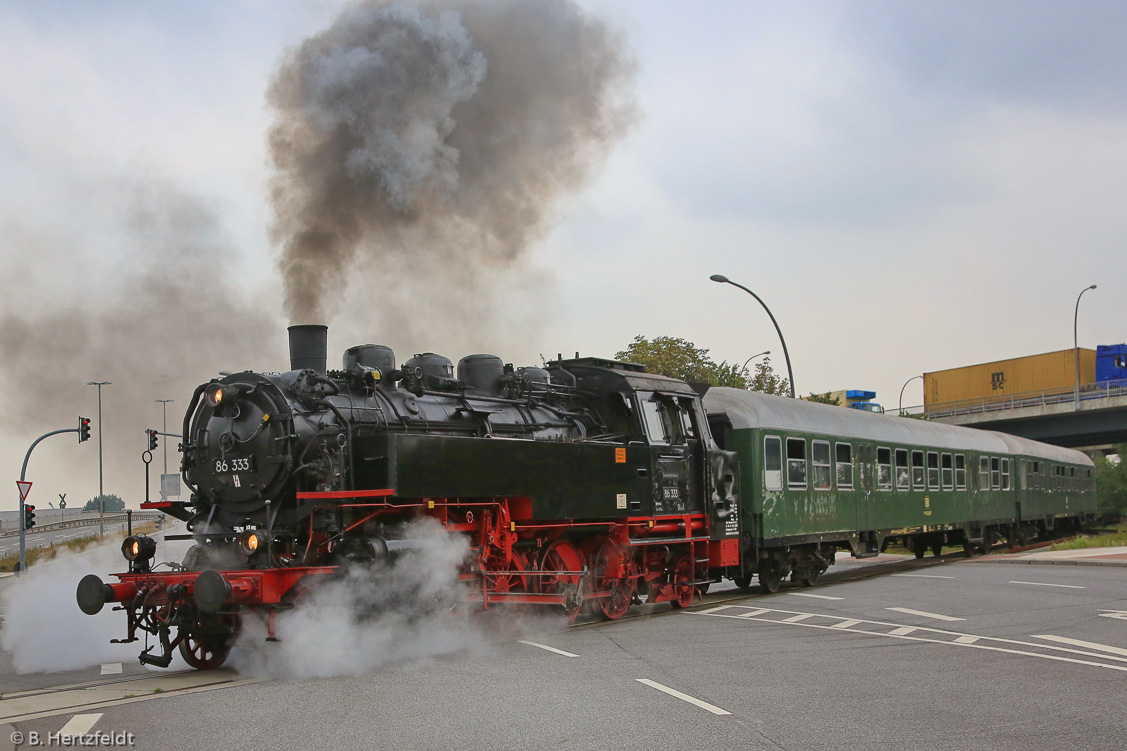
(234, 465)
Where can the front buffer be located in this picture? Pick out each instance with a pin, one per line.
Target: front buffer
(203, 608)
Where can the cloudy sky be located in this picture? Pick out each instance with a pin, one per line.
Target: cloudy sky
(910, 187)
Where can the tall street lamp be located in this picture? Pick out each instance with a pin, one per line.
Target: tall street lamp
(164, 405)
(753, 357)
(725, 280)
(101, 499)
(902, 391)
(1076, 346)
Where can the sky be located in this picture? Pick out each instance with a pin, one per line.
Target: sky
(910, 187)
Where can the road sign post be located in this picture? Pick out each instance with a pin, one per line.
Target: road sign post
(24, 486)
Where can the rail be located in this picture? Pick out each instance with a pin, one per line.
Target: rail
(1091, 392)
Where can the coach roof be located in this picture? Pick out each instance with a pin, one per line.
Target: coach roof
(752, 410)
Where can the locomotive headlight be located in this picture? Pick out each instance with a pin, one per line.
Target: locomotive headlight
(250, 541)
(138, 548)
(214, 395)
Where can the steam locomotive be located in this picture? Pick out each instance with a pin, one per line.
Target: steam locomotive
(587, 483)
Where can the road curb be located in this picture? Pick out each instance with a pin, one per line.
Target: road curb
(1055, 562)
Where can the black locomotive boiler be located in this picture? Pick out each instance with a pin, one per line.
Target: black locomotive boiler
(550, 475)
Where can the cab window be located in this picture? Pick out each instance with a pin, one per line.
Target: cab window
(654, 414)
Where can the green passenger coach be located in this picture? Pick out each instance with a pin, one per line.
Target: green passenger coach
(816, 478)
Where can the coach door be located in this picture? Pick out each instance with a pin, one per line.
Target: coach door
(866, 514)
(676, 449)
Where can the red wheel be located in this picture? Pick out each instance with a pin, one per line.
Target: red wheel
(684, 574)
(514, 582)
(609, 575)
(203, 653)
(562, 565)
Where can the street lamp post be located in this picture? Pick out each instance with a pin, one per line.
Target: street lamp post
(725, 280)
(164, 405)
(101, 493)
(902, 392)
(753, 357)
(1076, 345)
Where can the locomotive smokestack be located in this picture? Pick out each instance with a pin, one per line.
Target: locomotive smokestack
(309, 346)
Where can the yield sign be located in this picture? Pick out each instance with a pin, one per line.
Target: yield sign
(25, 487)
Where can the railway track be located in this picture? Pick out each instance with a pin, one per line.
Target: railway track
(35, 704)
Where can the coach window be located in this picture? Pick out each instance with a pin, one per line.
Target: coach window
(984, 473)
(960, 472)
(933, 470)
(918, 470)
(820, 453)
(884, 468)
(772, 463)
(796, 463)
(995, 473)
(903, 477)
(844, 466)
(1006, 474)
(948, 472)
(1033, 475)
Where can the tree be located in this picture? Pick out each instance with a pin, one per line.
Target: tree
(113, 503)
(766, 382)
(823, 399)
(670, 356)
(680, 358)
(1111, 481)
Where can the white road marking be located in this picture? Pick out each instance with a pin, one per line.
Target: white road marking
(546, 647)
(1043, 584)
(926, 576)
(925, 632)
(1118, 614)
(716, 609)
(80, 724)
(847, 623)
(925, 614)
(753, 613)
(797, 618)
(966, 639)
(1084, 644)
(809, 594)
(684, 697)
(111, 668)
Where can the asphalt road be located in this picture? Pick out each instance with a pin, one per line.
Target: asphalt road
(962, 655)
(35, 539)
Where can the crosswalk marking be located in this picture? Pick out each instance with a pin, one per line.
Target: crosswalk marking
(80, 724)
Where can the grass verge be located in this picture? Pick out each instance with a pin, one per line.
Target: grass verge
(1106, 540)
(77, 545)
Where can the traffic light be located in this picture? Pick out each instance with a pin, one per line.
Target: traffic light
(83, 429)
(152, 439)
(28, 517)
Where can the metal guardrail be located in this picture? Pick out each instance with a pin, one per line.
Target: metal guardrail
(138, 516)
(1088, 392)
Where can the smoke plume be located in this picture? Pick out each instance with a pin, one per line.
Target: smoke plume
(170, 316)
(369, 618)
(436, 134)
(43, 627)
